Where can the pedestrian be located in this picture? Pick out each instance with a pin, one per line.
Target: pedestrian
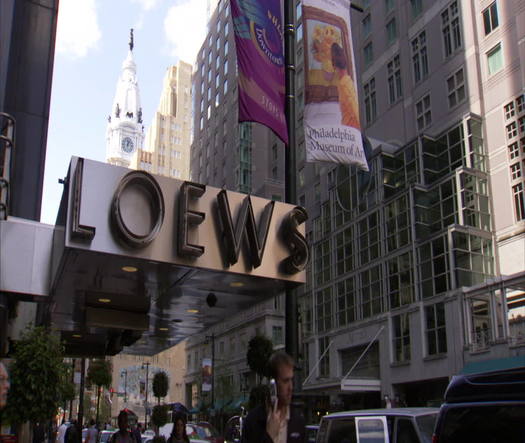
(278, 422)
(123, 435)
(39, 433)
(178, 432)
(61, 433)
(73, 433)
(4, 385)
(92, 432)
(137, 432)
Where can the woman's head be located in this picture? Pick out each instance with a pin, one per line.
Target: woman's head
(179, 425)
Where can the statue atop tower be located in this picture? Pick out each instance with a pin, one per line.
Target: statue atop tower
(125, 133)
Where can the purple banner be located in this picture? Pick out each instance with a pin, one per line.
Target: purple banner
(258, 29)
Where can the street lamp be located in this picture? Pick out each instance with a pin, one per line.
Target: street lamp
(146, 401)
(125, 372)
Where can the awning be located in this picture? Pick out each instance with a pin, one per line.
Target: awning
(496, 364)
(361, 385)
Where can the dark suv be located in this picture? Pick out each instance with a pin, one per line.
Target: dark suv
(483, 408)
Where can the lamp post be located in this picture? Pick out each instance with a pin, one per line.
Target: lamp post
(125, 372)
(146, 401)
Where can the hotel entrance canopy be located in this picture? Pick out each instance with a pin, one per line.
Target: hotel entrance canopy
(140, 262)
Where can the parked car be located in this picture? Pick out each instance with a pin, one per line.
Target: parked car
(205, 431)
(485, 408)
(104, 436)
(311, 433)
(397, 425)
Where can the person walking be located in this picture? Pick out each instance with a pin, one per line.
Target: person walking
(73, 433)
(92, 432)
(178, 433)
(61, 433)
(123, 435)
(278, 422)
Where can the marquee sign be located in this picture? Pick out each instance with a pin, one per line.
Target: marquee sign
(114, 210)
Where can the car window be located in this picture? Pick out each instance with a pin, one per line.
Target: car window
(489, 424)
(371, 430)
(342, 431)
(405, 431)
(426, 425)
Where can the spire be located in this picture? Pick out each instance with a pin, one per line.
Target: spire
(131, 39)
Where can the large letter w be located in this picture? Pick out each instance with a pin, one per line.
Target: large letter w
(256, 237)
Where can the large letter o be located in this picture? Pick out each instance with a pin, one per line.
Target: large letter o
(148, 185)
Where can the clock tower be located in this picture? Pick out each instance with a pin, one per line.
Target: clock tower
(125, 130)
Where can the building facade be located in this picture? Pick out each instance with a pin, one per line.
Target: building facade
(417, 269)
(167, 148)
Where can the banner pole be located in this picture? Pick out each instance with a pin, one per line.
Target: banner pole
(291, 314)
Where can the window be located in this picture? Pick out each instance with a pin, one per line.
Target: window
(225, 67)
(512, 130)
(324, 366)
(226, 28)
(299, 33)
(417, 7)
(210, 54)
(436, 329)
(367, 26)
(391, 31)
(456, 88)
(423, 113)
(401, 337)
(451, 28)
(490, 18)
(515, 170)
(218, 45)
(368, 54)
(370, 101)
(322, 265)
(514, 150)
(510, 111)
(346, 302)
(519, 201)
(495, 59)
(277, 335)
(225, 48)
(419, 57)
(520, 103)
(395, 90)
(225, 87)
(400, 281)
(324, 309)
(389, 5)
(344, 251)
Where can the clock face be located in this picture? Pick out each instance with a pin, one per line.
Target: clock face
(127, 145)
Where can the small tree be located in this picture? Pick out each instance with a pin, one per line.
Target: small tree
(37, 376)
(260, 349)
(99, 374)
(161, 384)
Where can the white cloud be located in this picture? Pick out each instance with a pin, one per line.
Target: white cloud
(185, 28)
(146, 4)
(77, 29)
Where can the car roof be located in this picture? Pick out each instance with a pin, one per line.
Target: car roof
(487, 386)
(408, 412)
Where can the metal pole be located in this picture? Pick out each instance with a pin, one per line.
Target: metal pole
(213, 369)
(81, 394)
(146, 402)
(125, 386)
(291, 336)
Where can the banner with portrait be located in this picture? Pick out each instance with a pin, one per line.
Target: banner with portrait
(206, 374)
(331, 115)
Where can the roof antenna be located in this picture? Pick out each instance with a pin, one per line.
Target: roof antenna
(131, 39)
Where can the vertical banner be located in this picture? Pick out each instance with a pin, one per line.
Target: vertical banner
(331, 115)
(206, 374)
(258, 29)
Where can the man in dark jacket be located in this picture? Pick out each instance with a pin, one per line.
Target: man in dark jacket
(279, 422)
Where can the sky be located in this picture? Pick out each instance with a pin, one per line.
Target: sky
(92, 43)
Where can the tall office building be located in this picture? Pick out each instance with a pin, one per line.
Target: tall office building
(247, 158)
(167, 150)
(418, 267)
